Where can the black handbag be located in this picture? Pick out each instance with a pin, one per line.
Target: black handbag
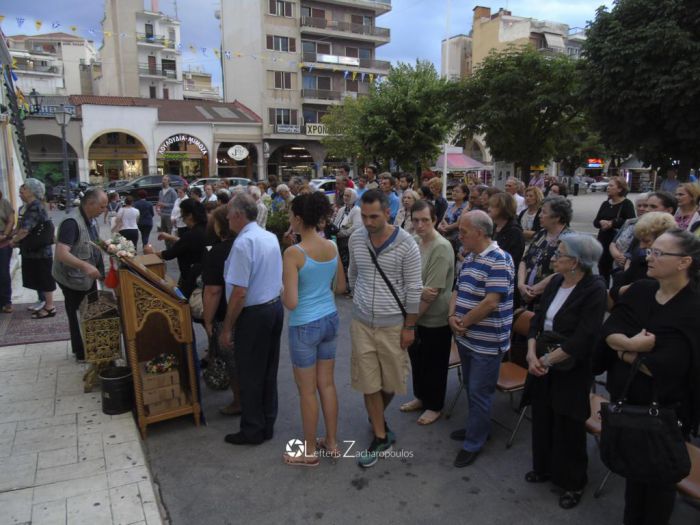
(416, 339)
(549, 341)
(40, 236)
(643, 443)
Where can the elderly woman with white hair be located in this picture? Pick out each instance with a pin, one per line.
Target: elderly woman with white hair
(562, 336)
(262, 209)
(283, 198)
(347, 219)
(37, 257)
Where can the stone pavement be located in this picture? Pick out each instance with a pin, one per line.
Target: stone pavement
(62, 461)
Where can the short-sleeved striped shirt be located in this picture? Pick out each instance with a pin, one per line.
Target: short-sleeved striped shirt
(490, 271)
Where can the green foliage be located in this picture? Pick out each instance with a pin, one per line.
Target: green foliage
(277, 222)
(642, 79)
(578, 144)
(523, 102)
(405, 117)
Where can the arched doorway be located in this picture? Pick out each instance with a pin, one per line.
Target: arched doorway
(291, 160)
(46, 156)
(183, 155)
(116, 156)
(228, 166)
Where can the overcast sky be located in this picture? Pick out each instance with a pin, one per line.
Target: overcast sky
(417, 26)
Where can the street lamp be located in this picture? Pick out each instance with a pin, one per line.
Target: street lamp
(62, 119)
(35, 100)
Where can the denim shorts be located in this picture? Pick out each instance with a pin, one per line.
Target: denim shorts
(314, 340)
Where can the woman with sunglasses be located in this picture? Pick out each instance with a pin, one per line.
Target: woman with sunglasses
(570, 314)
(655, 320)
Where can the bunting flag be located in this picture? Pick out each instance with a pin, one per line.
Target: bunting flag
(204, 51)
(346, 75)
(354, 75)
(2, 17)
(192, 49)
(108, 34)
(74, 28)
(371, 77)
(55, 25)
(38, 24)
(362, 77)
(216, 53)
(91, 31)
(227, 54)
(311, 68)
(20, 21)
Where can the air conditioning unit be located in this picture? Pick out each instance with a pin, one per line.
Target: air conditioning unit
(188, 76)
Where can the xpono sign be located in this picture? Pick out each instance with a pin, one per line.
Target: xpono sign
(189, 139)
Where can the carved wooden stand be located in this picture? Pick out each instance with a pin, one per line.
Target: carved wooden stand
(156, 320)
(99, 326)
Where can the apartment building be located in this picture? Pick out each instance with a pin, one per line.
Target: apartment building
(50, 63)
(293, 59)
(457, 63)
(140, 56)
(197, 86)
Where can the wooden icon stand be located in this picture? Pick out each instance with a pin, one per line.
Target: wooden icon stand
(156, 320)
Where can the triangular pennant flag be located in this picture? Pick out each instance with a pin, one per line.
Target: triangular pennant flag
(2, 17)
(362, 77)
(123, 35)
(354, 75)
(204, 50)
(91, 30)
(108, 34)
(346, 75)
(74, 28)
(179, 46)
(239, 55)
(20, 21)
(371, 77)
(192, 48)
(55, 25)
(216, 53)
(38, 24)
(227, 54)
(311, 68)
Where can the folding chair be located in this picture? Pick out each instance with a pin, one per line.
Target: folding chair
(512, 376)
(593, 427)
(455, 362)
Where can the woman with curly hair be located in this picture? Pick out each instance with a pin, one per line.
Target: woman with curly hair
(312, 271)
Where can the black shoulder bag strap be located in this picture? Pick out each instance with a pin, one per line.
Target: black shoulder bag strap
(386, 281)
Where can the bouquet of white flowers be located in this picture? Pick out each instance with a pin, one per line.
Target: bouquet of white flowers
(119, 246)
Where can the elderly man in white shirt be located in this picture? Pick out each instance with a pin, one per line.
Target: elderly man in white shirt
(512, 188)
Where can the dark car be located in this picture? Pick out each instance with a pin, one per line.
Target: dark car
(76, 191)
(151, 184)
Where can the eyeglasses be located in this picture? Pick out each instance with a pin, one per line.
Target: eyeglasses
(558, 254)
(656, 253)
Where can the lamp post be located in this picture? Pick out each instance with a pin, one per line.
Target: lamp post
(62, 119)
(35, 100)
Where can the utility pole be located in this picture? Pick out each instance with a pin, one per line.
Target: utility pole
(447, 74)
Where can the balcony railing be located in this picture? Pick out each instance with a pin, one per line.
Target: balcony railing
(321, 94)
(347, 27)
(367, 63)
(145, 69)
(150, 39)
(38, 68)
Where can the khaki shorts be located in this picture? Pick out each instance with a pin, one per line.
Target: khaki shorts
(378, 362)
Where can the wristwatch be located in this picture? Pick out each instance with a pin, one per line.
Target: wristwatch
(545, 360)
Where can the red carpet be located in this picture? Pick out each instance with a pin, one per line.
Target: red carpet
(19, 328)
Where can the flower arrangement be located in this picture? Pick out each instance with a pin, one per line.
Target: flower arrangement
(161, 363)
(118, 246)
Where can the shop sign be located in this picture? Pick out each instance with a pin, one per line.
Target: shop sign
(316, 130)
(238, 152)
(175, 155)
(287, 128)
(335, 59)
(596, 163)
(189, 139)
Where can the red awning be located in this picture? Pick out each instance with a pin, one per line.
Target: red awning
(458, 162)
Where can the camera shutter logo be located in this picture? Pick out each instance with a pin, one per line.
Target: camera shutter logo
(295, 448)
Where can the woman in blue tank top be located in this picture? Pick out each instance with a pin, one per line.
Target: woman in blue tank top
(312, 272)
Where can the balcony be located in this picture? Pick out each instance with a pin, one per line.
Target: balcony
(341, 28)
(155, 40)
(378, 6)
(333, 61)
(321, 94)
(38, 69)
(152, 71)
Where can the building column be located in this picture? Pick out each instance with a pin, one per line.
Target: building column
(83, 171)
(262, 162)
(213, 166)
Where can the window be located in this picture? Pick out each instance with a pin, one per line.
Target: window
(281, 43)
(313, 116)
(351, 52)
(283, 116)
(323, 83)
(283, 80)
(352, 85)
(281, 8)
(166, 93)
(130, 140)
(149, 30)
(361, 20)
(112, 139)
(365, 53)
(324, 49)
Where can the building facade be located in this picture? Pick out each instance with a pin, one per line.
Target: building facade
(294, 59)
(50, 63)
(457, 63)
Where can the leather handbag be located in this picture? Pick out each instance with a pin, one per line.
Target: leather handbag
(549, 341)
(643, 443)
(40, 236)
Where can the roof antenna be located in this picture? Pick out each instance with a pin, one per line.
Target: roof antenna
(175, 7)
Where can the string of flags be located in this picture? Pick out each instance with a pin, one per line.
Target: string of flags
(204, 51)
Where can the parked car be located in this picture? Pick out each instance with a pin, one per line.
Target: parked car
(151, 184)
(232, 181)
(327, 186)
(599, 186)
(112, 185)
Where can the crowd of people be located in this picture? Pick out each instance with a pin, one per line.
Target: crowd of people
(423, 274)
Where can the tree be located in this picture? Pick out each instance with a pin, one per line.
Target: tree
(642, 80)
(404, 118)
(522, 101)
(577, 145)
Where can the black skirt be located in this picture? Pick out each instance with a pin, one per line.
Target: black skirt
(36, 274)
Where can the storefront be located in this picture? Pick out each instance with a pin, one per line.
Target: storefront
(116, 156)
(237, 160)
(183, 155)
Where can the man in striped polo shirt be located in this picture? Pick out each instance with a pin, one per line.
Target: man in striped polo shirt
(481, 315)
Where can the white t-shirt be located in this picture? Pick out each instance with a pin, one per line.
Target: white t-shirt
(129, 217)
(558, 301)
(519, 203)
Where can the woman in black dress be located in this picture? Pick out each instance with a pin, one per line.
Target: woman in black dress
(189, 249)
(36, 264)
(507, 232)
(656, 320)
(611, 216)
(572, 307)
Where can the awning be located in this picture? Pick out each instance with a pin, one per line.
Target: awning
(633, 163)
(457, 162)
(554, 40)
